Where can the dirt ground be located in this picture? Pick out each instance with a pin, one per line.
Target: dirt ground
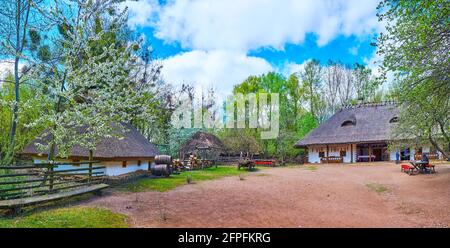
(334, 195)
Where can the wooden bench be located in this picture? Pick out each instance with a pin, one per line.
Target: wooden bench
(431, 168)
(331, 159)
(407, 169)
(265, 162)
(21, 202)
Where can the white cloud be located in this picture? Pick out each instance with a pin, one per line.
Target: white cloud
(251, 24)
(6, 67)
(219, 34)
(291, 67)
(220, 69)
(141, 13)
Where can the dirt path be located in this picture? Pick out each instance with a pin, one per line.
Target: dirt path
(331, 196)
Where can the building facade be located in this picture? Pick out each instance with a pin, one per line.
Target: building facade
(360, 133)
(128, 154)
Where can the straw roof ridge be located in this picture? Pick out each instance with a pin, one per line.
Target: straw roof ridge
(202, 140)
(371, 123)
(132, 145)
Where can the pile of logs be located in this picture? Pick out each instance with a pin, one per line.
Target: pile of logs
(193, 162)
(177, 165)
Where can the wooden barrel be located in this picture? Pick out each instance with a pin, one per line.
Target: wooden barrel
(163, 159)
(161, 170)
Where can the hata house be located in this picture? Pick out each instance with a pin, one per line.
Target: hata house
(133, 152)
(360, 133)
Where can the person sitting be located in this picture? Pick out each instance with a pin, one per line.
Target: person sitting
(424, 161)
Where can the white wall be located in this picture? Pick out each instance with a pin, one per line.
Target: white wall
(313, 157)
(313, 154)
(113, 168)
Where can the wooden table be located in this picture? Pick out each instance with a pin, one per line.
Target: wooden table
(369, 158)
(420, 166)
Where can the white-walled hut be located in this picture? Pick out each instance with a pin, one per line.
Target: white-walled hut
(359, 133)
(129, 153)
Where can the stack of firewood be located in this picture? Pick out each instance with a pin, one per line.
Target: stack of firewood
(177, 165)
(194, 162)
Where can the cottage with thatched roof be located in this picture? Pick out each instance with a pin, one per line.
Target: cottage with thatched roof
(132, 152)
(358, 134)
(202, 144)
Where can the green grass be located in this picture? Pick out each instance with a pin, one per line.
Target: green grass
(311, 167)
(76, 217)
(377, 187)
(168, 183)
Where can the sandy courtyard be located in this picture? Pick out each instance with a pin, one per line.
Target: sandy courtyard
(334, 195)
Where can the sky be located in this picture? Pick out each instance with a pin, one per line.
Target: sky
(220, 43)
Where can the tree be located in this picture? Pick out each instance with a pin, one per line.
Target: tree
(93, 78)
(415, 49)
(312, 78)
(19, 20)
(365, 85)
(33, 104)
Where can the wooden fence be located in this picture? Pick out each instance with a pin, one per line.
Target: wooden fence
(18, 182)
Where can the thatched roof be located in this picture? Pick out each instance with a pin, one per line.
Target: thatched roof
(202, 140)
(133, 145)
(361, 123)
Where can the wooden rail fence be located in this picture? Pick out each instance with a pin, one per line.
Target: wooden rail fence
(17, 182)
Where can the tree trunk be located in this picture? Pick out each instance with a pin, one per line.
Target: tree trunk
(311, 99)
(436, 145)
(15, 111)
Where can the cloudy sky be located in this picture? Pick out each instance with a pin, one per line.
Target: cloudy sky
(222, 42)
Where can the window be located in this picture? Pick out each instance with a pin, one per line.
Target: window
(343, 153)
(348, 123)
(124, 164)
(393, 120)
(139, 162)
(321, 154)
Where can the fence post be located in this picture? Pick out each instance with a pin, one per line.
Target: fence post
(50, 165)
(91, 158)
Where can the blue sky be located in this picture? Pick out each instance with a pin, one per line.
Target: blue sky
(218, 43)
(215, 43)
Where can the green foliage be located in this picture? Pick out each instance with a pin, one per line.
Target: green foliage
(415, 49)
(293, 125)
(32, 106)
(76, 217)
(168, 183)
(376, 187)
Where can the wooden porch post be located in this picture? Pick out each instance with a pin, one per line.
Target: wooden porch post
(351, 153)
(327, 151)
(91, 158)
(370, 153)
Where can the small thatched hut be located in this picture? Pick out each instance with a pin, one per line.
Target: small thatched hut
(202, 144)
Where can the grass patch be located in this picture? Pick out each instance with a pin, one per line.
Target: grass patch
(376, 187)
(168, 183)
(76, 217)
(311, 167)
